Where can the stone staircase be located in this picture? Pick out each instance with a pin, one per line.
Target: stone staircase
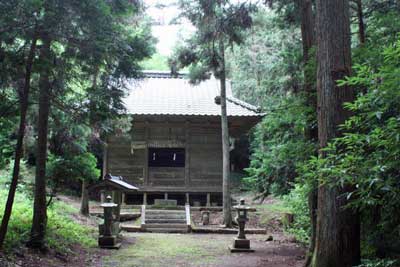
(166, 220)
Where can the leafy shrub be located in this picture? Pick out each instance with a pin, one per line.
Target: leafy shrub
(67, 170)
(296, 200)
(62, 230)
(379, 263)
(279, 147)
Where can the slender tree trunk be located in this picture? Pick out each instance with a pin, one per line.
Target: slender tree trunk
(85, 194)
(225, 144)
(308, 42)
(307, 29)
(84, 199)
(20, 140)
(39, 223)
(361, 25)
(338, 232)
(311, 132)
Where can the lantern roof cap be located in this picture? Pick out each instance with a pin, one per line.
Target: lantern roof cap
(108, 203)
(242, 206)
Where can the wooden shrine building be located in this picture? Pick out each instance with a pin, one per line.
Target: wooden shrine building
(174, 148)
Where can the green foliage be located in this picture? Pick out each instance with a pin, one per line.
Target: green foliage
(279, 146)
(268, 62)
(296, 200)
(156, 62)
(266, 70)
(6, 145)
(366, 157)
(63, 231)
(64, 170)
(219, 24)
(379, 263)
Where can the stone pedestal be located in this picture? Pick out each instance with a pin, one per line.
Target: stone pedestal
(109, 242)
(241, 245)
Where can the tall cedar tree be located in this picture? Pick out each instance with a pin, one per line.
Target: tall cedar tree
(24, 97)
(219, 24)
(307, 19)
(83, 29)
(338, 231)
(39, 221)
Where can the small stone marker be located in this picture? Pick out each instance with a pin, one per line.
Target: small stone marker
(241, 244)
(108, 238)
(205, 217)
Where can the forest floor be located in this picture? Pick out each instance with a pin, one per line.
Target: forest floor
(153, 250)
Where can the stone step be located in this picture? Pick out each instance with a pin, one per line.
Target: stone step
(167, 230)
(165, 225)
(161, 216)
(165, 220)
(165, 211)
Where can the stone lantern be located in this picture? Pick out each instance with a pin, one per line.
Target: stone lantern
(108, 237)
(241, 244)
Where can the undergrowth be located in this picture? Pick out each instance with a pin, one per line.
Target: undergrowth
(62, 232)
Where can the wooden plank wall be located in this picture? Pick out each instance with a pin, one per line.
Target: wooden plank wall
(124, 161)
(127, 156)
(205, 157)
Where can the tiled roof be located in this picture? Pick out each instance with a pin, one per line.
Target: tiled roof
(160, 94)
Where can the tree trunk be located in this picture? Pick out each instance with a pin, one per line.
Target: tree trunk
(308, 42)
(39, 223)
(361, 25)
(84, 199)
(20, 140)
(311, 132)
(307, 28)
(313, 207)
(225, 144)
(338, 231)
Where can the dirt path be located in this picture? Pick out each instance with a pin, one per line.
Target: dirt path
(156, 250)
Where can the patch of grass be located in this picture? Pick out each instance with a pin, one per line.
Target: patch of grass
(168, 250)
(267, 212)
(62, 230)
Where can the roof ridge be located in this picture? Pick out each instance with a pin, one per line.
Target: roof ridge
(164, 74)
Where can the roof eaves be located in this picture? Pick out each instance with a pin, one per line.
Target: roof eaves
(244, 104)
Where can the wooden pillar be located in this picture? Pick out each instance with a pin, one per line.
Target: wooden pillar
(187, 155)
(144, 198)
(146, 155)
(165, 196)
(187, 198)
(208, 200)
(123, 199)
